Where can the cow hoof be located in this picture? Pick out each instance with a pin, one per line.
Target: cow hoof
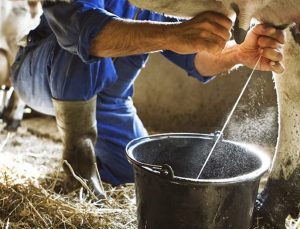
(279, 199)
(12, 124)
(260, 218)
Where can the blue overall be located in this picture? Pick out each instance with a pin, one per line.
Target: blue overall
(56, 64)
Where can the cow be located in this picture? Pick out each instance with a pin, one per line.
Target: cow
(17, 18)
(282, 194)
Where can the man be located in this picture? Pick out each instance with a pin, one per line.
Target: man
(81, 62)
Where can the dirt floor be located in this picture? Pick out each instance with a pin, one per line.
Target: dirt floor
(31, 195)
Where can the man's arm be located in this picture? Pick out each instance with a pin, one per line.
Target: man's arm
(261, 40)
(207, 31)
(85, 28)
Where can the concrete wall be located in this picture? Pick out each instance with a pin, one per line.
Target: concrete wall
(169, 101)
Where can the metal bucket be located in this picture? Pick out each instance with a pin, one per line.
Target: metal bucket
(169, 195)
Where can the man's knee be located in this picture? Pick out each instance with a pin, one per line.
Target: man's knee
(71, 79)
(32, 83)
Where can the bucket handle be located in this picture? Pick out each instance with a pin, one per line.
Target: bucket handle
(164, 170)
(167, 171)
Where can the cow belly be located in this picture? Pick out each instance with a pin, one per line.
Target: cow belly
(188, 8)
(288, 93)
(269, 11)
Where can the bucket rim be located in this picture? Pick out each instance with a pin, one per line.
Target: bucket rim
(254, 175)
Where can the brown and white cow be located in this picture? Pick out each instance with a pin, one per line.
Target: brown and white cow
(17, 18)
(282, 193)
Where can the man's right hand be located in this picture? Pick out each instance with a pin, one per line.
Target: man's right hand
(208, 32)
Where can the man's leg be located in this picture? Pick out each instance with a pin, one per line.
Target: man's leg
(118, 124)
(76, 121)
(73, 86)
(51, 76)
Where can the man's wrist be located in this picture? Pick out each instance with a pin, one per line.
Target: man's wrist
(231, 54)
(169, 37)
(209, 64)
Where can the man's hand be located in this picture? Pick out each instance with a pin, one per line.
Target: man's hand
(262, 40)
(265, 41)
(208, 32)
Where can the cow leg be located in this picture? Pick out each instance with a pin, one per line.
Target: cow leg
(34, 8)
(281, 196)
(4, 67)
(13, 113)
(4, 73)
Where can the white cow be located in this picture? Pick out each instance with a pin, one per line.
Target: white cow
(282, 193)
(17, 18)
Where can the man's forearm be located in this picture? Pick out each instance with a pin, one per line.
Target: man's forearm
(208, 64)
(120, 37)
(126, 37)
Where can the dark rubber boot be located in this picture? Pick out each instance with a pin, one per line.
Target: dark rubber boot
(76, 120)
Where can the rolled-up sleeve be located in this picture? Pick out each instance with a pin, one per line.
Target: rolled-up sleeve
(76, 24)
(187, 63)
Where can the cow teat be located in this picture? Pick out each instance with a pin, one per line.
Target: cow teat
(295, 29)
(239, 33)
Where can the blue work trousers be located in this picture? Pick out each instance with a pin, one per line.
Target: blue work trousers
(44, 71)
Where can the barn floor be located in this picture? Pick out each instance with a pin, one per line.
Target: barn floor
(30, 185)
